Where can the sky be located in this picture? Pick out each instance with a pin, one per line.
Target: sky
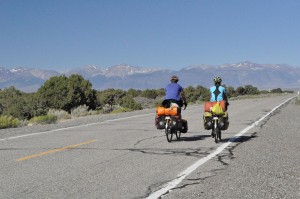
(172, 34)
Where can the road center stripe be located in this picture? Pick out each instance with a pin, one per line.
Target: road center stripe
(172, 184)
(54, 150)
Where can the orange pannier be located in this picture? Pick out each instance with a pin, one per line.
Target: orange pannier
(160, 111)
(171, 111)
(208, 105)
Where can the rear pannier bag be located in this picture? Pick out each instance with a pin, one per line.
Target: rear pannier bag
(184, 126)
(207, 120)
(224, 123)
(160, 122)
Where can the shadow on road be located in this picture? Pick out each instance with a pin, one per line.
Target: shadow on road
(194, 138)
(240, 138)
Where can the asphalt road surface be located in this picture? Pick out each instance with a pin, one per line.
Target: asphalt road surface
(126, 157)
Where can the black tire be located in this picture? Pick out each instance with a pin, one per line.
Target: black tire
(216, 132)
(168, 131)
(169, 134)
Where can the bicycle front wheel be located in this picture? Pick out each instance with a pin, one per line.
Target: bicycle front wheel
(217, 134)
(169, 134)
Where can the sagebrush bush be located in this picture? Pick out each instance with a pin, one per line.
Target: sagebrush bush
(95, 112)
(106, 109)
(80, 111)
(60, 114)
(23, 123)
(146, 102)
(44, 119)
(8, 122)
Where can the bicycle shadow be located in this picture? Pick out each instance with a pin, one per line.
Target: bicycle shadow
(194, 138)
(240, 139)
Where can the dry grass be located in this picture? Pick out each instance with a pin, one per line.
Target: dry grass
(80, 111)
(43, 119)
(8, 122)
(60, 114)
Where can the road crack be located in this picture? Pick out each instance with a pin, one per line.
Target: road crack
(198, 152)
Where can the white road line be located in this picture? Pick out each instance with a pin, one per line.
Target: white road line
(72, 127)
(172, 184)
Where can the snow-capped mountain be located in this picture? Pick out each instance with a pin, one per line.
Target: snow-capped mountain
(25, 79)
(114, 71)
(18, 71)
(263, 76)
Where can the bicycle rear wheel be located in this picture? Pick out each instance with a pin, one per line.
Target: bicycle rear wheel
(169, 134)
(168, 131)
(217, 134)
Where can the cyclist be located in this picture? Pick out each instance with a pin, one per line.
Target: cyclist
(218, 92)
(174, 94)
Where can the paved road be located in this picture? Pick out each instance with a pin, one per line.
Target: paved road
(127, 157)
(263, 163)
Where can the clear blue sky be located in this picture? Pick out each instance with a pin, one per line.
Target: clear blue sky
(65, 34)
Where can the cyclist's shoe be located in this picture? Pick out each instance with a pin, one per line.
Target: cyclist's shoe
(213, 134)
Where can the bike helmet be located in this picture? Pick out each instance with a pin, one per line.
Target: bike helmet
(174, 78)
(217, 80)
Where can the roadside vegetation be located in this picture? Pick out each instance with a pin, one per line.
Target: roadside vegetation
(62, 98)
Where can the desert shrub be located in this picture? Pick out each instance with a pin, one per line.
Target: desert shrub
(12, 102)
(149, 93)
(130, 103)
(44, 119)
(133, 93)
(106, 109)
(66, 93)
(110, 96)
(80, 111)
(277, 90)
(8, 122)
(94, 112)
(60, 114)
(23, 123)
(231, 92)
(146, 102)
(114, 109)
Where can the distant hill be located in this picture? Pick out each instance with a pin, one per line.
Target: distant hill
(263, 76)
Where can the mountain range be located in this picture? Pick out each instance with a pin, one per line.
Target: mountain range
(262, 76)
